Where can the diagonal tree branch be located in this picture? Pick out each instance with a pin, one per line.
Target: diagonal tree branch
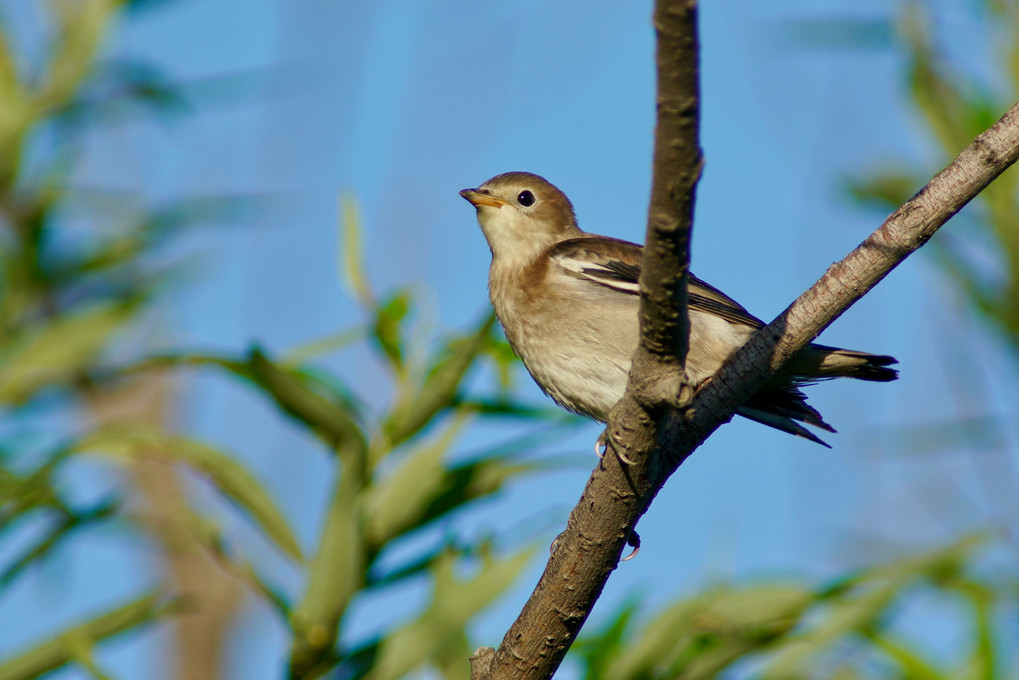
(643, 428)
(846, 281)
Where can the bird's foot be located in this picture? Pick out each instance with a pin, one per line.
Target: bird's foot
(555, 544)
(601, 447)
(686, 394)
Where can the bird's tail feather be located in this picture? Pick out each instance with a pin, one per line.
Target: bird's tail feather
(819, 362)
(781, 408)
(778, 422)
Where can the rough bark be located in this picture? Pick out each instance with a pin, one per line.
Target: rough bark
(589, 549)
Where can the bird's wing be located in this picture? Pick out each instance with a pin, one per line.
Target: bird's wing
(615, 264)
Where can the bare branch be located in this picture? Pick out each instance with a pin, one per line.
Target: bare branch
(845, 282)
(587, 552)
(665, 329)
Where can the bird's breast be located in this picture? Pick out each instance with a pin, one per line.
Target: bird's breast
(577, 350)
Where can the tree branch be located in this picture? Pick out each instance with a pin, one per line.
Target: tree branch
(589, 549)
(657, 377)
(845, 282)
(658, 440)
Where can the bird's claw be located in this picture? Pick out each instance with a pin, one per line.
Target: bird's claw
(685, 396)
(601, 447)
(633, 540)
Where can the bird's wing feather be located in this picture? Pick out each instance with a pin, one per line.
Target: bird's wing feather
(615, 264)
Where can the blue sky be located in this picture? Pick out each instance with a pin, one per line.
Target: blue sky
(400, 105)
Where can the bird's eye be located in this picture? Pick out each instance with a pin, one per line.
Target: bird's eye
(525, 198)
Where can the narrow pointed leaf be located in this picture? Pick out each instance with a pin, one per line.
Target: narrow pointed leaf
(336, 573)
(454, 603)
(912, 665)
(208, 534)
(423, 490)
(388, 328)
(231, 478)
(417, 408)
(57, 351)
(52, 538)
(331, 421)
(60, 649)
(352, 259)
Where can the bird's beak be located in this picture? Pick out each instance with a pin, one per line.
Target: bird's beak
(480, 197)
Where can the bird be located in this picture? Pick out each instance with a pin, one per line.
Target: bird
(568, 303)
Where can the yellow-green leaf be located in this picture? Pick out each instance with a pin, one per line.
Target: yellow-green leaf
(330, 420)
(352, 259)
(57, 350)
(336, 573)
(454, 603)
(229, 476)
(64, 647)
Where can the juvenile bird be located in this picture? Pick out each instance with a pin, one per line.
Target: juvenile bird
(568, 302)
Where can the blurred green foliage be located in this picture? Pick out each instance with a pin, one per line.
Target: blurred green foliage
(63, 308)
(784, 630)
(981, 250)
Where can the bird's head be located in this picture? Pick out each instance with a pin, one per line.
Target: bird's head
(522, 215)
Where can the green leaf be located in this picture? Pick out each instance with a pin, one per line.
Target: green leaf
(504, 358)
(147, 232)
(68, 523)
(327, 345)
(82, 27)
(397, 503)
(598, 649)
(335, 575)
(231, 478)
(857, 604)
(33, 490)
(847, 615)
(699, 637)
(331, 421)
(209, 535)
(885, 189)
(12, 95)
(64, 648)
(121, 86)
(15, 112)
(441, 626)
(423, 490)
(58, 350)
(308, 398)
(388, 328)
(448, 658)
(913, 666)
(415, 408)
(936, 92)
(352, 259)
(983, 659)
